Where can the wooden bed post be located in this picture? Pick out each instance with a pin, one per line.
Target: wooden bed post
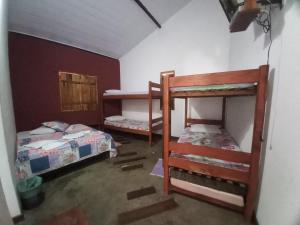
(101, 108)
(150, 111)
(185, 111)
(223, 112)
(166, 131)
(256, 140)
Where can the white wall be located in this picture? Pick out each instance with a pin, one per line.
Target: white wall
(5, 218)
(194, 40)
(7, 122)
(280, 189)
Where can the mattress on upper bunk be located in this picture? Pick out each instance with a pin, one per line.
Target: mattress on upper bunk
(125, 93)
(223, 87)
(129, 124)
(38, 154)
(221, 140)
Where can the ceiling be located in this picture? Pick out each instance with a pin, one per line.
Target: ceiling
(107, 27)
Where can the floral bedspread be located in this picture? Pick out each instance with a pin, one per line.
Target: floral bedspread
(34, 161)
(222, 140)
(130, 124)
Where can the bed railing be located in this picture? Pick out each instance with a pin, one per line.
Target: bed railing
(154, 89)
(231, 77)
(207, 169)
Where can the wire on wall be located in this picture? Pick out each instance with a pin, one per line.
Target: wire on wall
(264, 20)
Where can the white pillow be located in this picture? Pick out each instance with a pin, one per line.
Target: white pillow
(74, 128)
(42, 130)
(213, 129)
(115, 118)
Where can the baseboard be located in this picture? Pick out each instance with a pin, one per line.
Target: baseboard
(18, 219)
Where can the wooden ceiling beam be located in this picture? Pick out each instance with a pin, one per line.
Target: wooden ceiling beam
(143, 7)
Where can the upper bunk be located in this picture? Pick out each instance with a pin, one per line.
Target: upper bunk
(154, 92)
(226, 84)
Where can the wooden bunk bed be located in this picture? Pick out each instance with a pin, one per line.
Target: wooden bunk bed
(224, 84)
(154, 124)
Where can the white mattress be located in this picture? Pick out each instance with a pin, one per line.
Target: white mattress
(210, 192)
(126, 93)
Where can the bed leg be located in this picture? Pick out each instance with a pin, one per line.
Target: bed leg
(166, 184)
(250, 203)
(166, 176)
(150, 140)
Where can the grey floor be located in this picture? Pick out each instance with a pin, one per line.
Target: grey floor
(100, 191)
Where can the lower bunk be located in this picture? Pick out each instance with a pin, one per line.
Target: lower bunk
(210, 166)
(208, 187)
(146, 128)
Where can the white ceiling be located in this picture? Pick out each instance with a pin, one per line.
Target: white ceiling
(108, 27)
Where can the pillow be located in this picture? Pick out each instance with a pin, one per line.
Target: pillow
(42, 130)
(74, 128)
(56, 125)
(115, 118)
(213, 129)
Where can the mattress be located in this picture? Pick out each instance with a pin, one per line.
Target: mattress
(220, 140)
(227, 192)
(67, 149)
(130, 124)
(222, 87)
(126, 93)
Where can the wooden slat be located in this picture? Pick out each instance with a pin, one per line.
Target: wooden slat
(147, 211)
(206, 198)
(231, 77)
(154, 85)
(141, 192)
(132, 167)
(127, 154)
(223, 154)
(210, 170)
(203, 121)
(133, 159)
(195, 94)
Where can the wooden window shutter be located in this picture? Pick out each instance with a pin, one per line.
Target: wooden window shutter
(78, 92)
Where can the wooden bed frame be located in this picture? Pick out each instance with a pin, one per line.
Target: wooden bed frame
(250, 177)
(154, 92)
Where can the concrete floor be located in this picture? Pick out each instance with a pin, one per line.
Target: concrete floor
(100, 191)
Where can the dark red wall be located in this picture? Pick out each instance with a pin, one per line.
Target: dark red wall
(34, 67)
